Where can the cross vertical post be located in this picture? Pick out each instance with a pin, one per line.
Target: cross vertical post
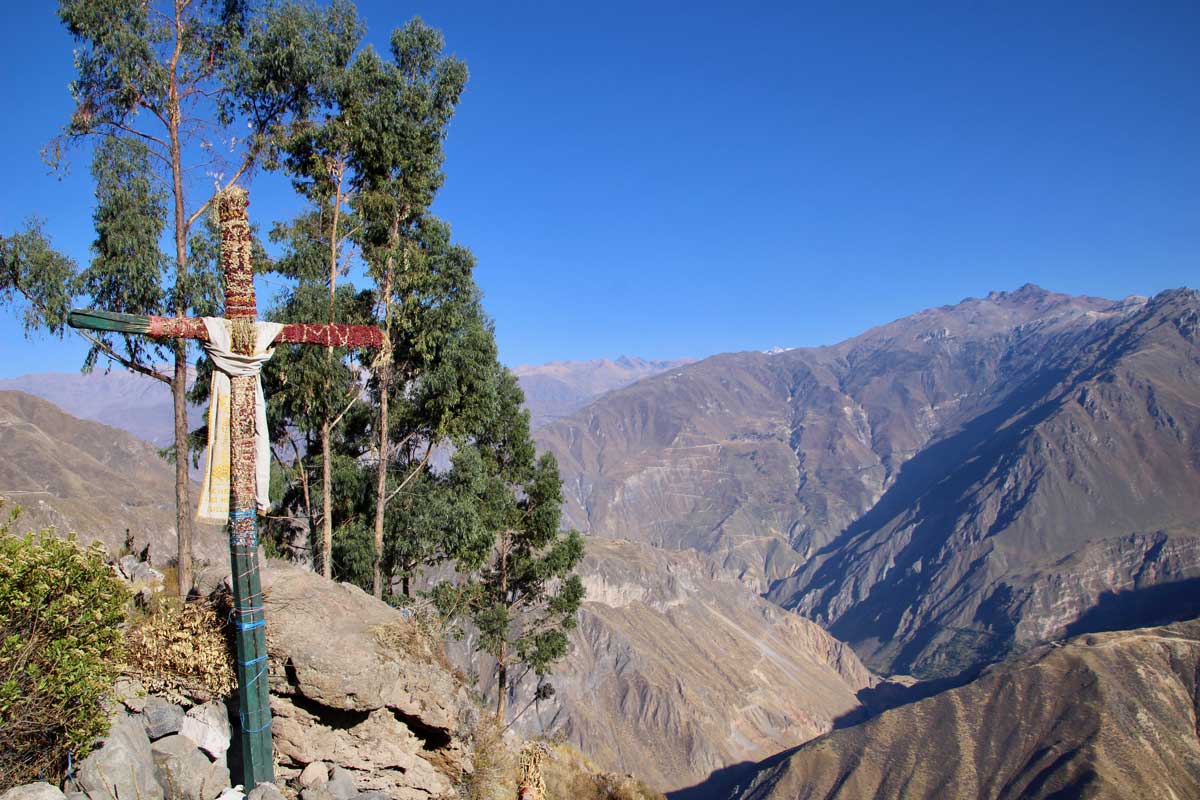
(254, 700)
(241, 310)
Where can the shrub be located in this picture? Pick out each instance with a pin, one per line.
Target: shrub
(61, 610)
(179, 649)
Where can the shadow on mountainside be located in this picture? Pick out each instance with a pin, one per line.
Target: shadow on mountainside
(723, 783)
(1160, 604)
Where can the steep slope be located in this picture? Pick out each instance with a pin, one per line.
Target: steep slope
(125, 400)
(1108, 715)
(89, 478)
(1081, 483)
(937, 490)
(676, 671)
(558, 388)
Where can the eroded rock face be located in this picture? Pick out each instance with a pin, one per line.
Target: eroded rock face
(1105, 715)
(341, 694)
(677, 670)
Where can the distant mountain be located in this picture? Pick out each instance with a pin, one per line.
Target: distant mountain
(91, 479)
(676, 670)
(938, 491)
(126, 400)
(1106, 715)
(559, 388)
(142, 405)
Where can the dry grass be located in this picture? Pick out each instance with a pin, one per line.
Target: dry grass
(415, 637)
(568, 774)
(179, 649)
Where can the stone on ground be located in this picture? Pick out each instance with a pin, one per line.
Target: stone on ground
(161, 718)
(122, 766)
(265, 791)
(33, 791)
(341, 784)
(208, 726)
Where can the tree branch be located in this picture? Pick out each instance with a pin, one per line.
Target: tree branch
(411, 475)
(129, 364)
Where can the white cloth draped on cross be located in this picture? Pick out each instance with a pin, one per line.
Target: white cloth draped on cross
(214, 491)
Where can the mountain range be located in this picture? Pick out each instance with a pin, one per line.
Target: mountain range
(142, 406)
(939, 491)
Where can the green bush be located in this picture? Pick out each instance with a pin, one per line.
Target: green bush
(61, 610)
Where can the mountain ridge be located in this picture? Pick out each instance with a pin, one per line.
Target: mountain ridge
(777, 463)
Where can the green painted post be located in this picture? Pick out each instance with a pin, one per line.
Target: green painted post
(254, 698)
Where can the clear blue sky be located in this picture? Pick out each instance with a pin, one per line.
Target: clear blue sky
(680, 179)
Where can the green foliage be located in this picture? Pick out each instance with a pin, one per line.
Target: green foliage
(36, 279)
(128, 266)
(524, 599)
(61, 608)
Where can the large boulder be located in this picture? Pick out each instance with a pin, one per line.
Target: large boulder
(33, 791)
(208, 726)
(348, 690)
(185, 773)
(122, 766)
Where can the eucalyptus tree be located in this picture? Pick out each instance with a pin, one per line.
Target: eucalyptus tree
(204, 87)
(312, 391)
(524, 599)
(399, 125)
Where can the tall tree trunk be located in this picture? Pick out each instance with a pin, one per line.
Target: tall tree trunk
(183, 503)
(326, 470)
(502, 659)
(385, 380)
(382, 469)
(326, 504)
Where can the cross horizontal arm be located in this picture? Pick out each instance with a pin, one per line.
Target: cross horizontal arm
(193, 328)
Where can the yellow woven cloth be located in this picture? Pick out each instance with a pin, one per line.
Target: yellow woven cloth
(214, 489)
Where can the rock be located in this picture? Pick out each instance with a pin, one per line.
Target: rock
(126, 565)
(33, 791)
(131, 694)
(316, 793)
(378, 743)
(122, 766)
(161, 718)
(341, 784)
(208, 726)
(346, 691)
(265, 791)
(234, 793)
(185, 773)
(315, 774)
(371, 796)
(345, 666)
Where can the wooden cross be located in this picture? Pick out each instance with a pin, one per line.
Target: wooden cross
(254, 698)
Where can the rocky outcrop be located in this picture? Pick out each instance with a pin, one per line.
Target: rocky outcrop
(344, 693)
(677, 670)
(1103, 716)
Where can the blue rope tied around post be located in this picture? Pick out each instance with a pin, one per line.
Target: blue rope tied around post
(260, 729)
